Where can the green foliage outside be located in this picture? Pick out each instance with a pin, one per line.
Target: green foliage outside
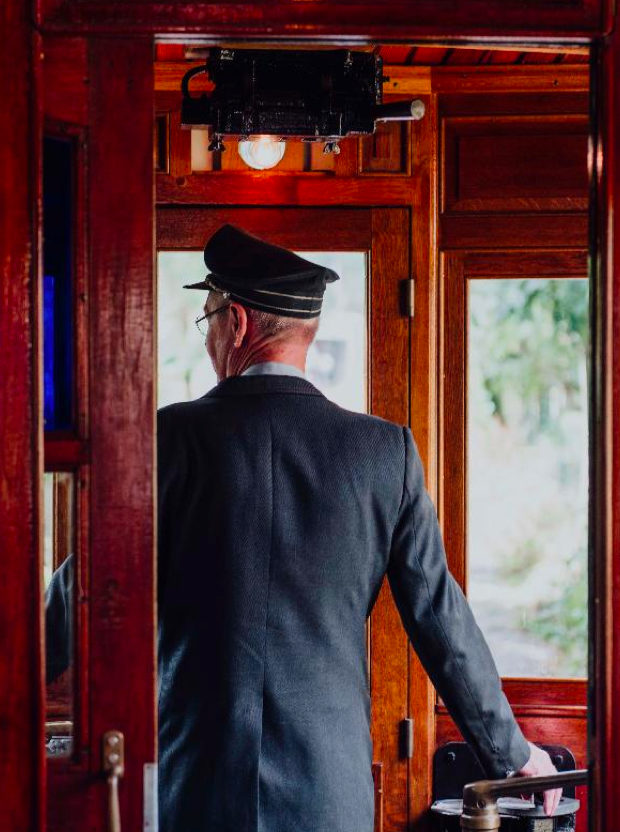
(536, 346)
(530, 363)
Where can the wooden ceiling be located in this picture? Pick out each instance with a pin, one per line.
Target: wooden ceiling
(407, 55)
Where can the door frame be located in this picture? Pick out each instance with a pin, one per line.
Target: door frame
(21, 735)
(384, 234)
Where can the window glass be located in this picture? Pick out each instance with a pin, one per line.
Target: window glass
(337, 359)
(57, 283)
(527, 465)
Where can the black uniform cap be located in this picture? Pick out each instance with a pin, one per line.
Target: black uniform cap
(262, 275)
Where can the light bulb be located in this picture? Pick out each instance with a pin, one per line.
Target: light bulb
(261, 152)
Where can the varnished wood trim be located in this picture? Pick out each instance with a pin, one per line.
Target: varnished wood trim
(349, 23)
(345, 229)
(605, 443)
(22, 699)
(423, 80)
(64, 454)
(492, 231)
(281, 188)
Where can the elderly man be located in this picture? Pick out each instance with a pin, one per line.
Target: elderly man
(280, 513)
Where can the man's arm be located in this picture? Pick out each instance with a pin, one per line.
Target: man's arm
(444, 633)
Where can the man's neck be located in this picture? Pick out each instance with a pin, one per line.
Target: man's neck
(273, 367)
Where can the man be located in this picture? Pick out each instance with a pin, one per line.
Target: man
(280, 513)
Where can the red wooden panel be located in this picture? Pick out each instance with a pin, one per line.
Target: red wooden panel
(396, 20)
(122, 409)
(65, 79)
(120, 585)
(21, 425)
(256, 188)
(515, 163)
(387, 150)
(345, 229)
(524, 231)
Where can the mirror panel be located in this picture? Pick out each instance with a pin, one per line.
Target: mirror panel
(59, 584)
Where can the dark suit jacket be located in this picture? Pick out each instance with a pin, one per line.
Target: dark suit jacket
(279, 515)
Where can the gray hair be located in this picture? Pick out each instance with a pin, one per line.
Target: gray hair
(270, 324)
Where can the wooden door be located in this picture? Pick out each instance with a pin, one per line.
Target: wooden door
(96, 285)
(382, 236)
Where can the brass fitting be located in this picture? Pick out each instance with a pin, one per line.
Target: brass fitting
(480, 799)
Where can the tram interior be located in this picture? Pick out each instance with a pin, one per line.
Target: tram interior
(461, 240)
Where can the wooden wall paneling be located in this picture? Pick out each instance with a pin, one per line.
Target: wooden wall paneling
(605, 446)
(551, 82)
(363, 19)
(65, 79)
(22, 763)
(387, 150)
(189, 228)
(256, 188)
(423, 409)
(514, 163)
(121, 500)
(389, 355)
(548, 104)
(524, 231)
(180, 163)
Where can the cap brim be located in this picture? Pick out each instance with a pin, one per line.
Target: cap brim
(202, 285)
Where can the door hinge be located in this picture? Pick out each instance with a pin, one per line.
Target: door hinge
(408, 290)
(406, 738)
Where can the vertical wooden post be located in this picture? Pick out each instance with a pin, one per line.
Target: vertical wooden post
(605, 466)
(122, 408)
(21, 691)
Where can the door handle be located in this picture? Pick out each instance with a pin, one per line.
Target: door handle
(113, 757)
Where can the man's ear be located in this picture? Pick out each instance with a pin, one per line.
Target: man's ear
(240, 323)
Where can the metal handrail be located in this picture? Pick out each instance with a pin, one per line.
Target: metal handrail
(480, 799)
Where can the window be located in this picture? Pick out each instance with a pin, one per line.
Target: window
(527, 472)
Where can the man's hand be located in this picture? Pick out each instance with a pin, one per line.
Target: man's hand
(540, 765)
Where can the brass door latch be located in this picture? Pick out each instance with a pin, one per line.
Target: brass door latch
(113, 764)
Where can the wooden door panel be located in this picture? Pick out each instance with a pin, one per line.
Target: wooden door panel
(114, 448)
(549, 711)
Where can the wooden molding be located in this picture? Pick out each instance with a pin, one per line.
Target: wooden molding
(423, 80)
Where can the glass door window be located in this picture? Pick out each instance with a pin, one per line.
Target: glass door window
(337, 359)
(527, 472)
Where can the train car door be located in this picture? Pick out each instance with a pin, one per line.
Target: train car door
(97, 418)
(360, 359)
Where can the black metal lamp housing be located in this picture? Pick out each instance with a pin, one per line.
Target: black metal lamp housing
(313, 95)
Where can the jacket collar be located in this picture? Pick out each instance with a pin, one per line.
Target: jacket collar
(261, 384)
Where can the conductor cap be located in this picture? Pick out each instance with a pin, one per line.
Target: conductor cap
(263, 276)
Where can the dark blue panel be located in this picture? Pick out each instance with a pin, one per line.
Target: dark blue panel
(58, 344)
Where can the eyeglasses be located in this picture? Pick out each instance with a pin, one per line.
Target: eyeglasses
(200, 322)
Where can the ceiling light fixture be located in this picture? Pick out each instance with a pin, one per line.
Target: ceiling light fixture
(261, 152)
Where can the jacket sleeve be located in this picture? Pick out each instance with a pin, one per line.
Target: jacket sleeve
(443, 631)
(59, 620)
